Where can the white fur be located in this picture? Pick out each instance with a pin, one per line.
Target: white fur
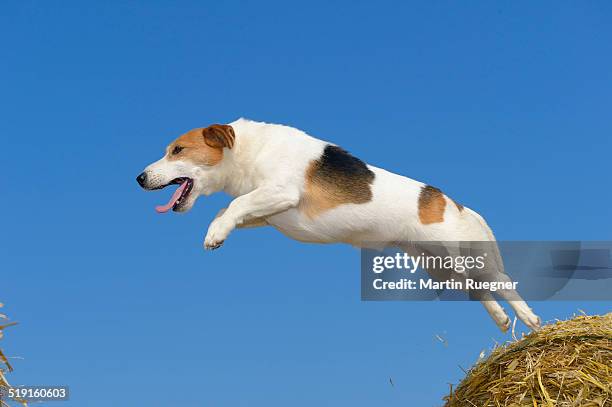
(265, 172)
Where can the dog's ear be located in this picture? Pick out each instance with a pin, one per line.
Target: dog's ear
(219, 136)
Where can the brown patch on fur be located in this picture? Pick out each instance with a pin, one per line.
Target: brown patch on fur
(458, 205)
(203, 146)
(431, 205)
(335, 179)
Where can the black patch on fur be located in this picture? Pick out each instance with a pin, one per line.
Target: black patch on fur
(336, 160)
(345, 176)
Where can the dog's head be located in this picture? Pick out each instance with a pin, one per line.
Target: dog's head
(193, 161)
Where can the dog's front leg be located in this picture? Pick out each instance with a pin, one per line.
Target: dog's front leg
(263, 201)
(246, 223)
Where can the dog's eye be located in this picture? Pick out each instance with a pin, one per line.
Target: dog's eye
(177, 149)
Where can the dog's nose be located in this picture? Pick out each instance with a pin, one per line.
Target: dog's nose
(141, 179)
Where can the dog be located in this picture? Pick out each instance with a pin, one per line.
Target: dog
(313, 191)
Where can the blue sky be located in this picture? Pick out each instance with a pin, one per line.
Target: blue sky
(506, 107)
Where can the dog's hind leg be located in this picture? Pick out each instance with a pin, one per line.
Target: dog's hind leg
(520, 307)
(496, 272)
(496, 311)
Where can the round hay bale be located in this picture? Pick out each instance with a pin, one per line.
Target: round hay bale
(568, 363)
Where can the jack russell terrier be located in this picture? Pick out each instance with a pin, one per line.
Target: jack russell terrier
(313, 191)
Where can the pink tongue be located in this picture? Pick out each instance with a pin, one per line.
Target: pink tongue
(177, 194)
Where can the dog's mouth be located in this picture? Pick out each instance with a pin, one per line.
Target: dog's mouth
(180, 195)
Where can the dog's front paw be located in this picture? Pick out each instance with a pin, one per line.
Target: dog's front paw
(212, 245)
(217, 233)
